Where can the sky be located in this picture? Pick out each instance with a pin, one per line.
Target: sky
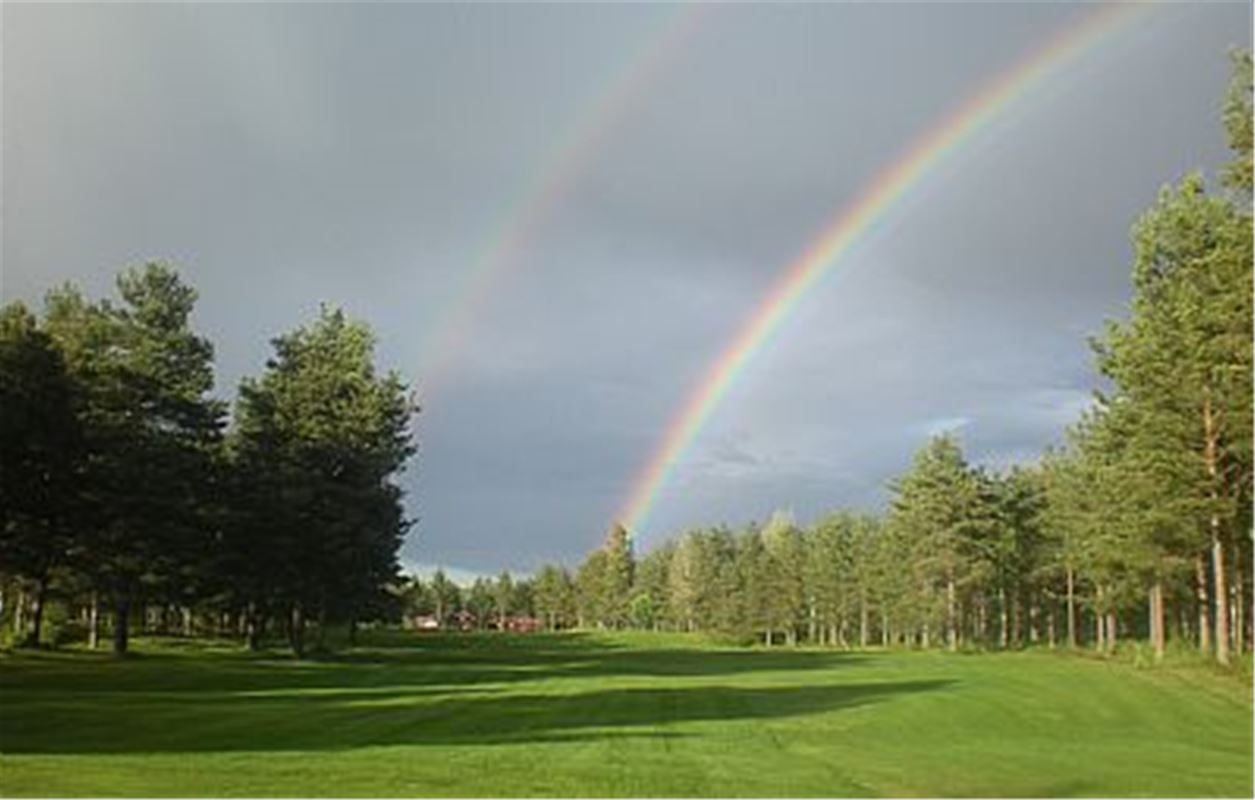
(651, 170)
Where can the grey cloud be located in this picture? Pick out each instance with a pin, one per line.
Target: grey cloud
(290, 154)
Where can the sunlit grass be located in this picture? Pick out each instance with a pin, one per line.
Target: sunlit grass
(642, 715)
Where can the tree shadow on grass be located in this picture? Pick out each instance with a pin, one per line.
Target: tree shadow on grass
(195, 722)
(400, 661)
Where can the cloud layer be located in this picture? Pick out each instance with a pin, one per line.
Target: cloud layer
(286, 155)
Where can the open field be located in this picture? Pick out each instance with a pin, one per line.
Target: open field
(614, 715)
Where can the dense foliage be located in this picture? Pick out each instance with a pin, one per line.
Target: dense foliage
(124, 496)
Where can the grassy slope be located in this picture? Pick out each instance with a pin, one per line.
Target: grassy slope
(598, 716)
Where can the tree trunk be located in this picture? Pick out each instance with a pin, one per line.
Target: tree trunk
(1220, 594)
(19, 615)
(952, 623)
(253, 622)
(1180, 626)
(1111, 631)
(121, 622)
(1100, 625)
(1239, 606)
(37, 611)
(1017, 620)
(1071, 607)
(862, 620)
(93, 622)
(296, 631)
(1034, 620)
(1159, 640)
(1204, 604)
(1003, 620)
(1050, 626)
(352, 631)
(982, 621)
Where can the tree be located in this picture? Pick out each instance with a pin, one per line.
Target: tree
(1068, 504)
(323, 436)
(752, 566)
(590, 590)
(785, 598)
(1182, 363)
(939, 504)
(480, 601)
(1237, 122)
(554, 597)
(445, 596)
(1015, 552)
(828, 578)
(40, 456)
(619, 572)
(149, 428)
(652, 586)
(503, 599)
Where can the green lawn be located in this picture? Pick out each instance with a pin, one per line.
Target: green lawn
(582, 715)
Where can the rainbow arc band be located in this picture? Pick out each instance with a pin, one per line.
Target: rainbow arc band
(553, 179)
(876, 200)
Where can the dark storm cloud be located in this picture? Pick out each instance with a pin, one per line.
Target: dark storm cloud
(290, 154)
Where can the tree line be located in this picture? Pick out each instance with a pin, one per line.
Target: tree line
(1139, 525)
(127, 494)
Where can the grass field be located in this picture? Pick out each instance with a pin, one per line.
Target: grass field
(583, 715)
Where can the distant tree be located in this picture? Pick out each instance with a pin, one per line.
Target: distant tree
(445, 596)
(785, 598)
(939, 504)
(591, 591)
(690, 577)
(1015, 550)
(753, 570)
(619, 572)
(524, 600)
(480, 601)
(651, 607)
(1237, 122)
(724, 606)
(503, 599)
(554, 597)
(418, 598)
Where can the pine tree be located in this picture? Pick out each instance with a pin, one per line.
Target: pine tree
(620, 569)
(323, 435)
(41, 457)
(941, 506)
(149, 430)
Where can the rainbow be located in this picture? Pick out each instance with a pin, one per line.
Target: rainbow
(872, 205)
(552, 179)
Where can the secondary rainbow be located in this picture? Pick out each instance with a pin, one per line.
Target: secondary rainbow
(552, 179)
(875, 201)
